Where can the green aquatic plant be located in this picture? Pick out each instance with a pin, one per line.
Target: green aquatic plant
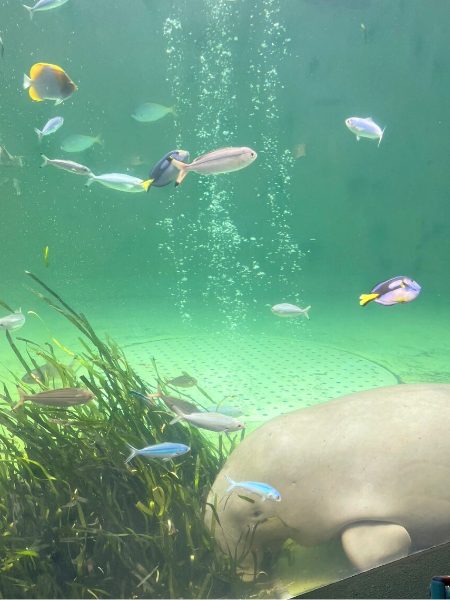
(75, 520)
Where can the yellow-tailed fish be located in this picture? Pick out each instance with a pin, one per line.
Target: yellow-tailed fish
(48, 82)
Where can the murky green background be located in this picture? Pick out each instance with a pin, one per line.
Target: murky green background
(215, 253)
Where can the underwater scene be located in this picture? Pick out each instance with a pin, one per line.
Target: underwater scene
(224, 345)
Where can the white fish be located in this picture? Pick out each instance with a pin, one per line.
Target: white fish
(66, 165)
(13, 321)
(223, 160)
(149, 112)
(213, 421)
(266, 491)
(79, 143)
(366, 128)
(50, 127)
(290, 310)
(42, 5)
(119, 181)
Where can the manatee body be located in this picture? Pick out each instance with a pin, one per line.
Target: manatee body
(371, 468)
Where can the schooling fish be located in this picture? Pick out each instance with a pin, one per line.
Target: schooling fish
(183, 405)
(393, 291)
(41, 374)
(13, 321)
(219, 161)
(164, 172)
(79, 143)
(183, 381)
(50, 127)
(67, 165)
(267, 492)
(366, 128)
(149, 112)
(48, 82)
(44, 5)
(213, 421)
(120, 182)
(165, 451)
(62, 397)
(290, 310)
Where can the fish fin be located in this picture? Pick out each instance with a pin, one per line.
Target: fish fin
(29, 9)
(45, 159)
(133, 452)
(26, 82)
(34, 95)
(39, 66)
(59, 101)
(231, 482)
(180, 178)
(90, 181)
(366, 298)
(38, 133)
(99, 140)
(176, 420)
(36, 70)
(21, 398)
(147, 183)
(173, 111)
(181, 166)
(306, 311)
(357, 138)
(381, 137)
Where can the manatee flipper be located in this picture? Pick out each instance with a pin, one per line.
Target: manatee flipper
(369, 545)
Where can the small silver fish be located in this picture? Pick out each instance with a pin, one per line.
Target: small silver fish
(13, 321)
(50, 127)
(79, 143)
(290, 310)
(366, 128)
(67, 165)
(212, 421)
(63, 397)
(119, 181)
(41, 374)
(266, 491)
(149, 112)
(42, 5)
(165, 451)
(223, 160)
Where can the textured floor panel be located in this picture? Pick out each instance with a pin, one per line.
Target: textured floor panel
(264, 376)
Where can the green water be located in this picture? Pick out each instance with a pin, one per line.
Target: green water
(203, 262)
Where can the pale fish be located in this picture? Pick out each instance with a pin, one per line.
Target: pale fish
(366, 128)
(42, 5)
(63, 397)
(119, 181)
(67, 165)
(48, 82)
(50, 127)
(8, 160)
(13, 321)
(149, 112)
(264, 490)
(184, 381)
(182, 405)
(223, 160)
(213, 421)
(41, 374)
(79, 142)
(230, 411)
(165, 451)
(290, 310)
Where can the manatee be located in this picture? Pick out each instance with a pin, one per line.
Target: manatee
(370, 470)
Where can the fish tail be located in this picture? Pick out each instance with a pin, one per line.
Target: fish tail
(58, 101)
(176, 420)
(231, 482)
(366, 298)
(99, 140)
(90, 180)
(38, 133)
(45, 159)
(29, 9)
(381, 137)
(181, 175)
(147, 183)
(21, 399)
(26, 81)
(173, 111)
(133, 452)
(306, 311)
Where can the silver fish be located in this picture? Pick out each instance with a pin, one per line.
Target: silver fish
(119, 181)
(223, 160)
(165, 451)
(212, 421)
(290, 310)
(50, 127)
(67, 165)
(42, 374)
(13, 321)
(42, 5)
(62, 397)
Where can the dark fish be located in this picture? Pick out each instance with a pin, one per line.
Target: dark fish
(183, 405)
(184, 381)
(62, 397)
(164, 172)
(42, 374)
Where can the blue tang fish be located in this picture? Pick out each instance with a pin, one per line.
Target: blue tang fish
(164, 172)
(166, 451)
(393, 291)
(266, 491)
(366, 128)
